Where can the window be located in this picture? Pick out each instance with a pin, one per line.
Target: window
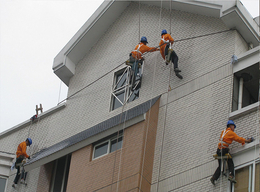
(108, 145)
(247, 178)
(122, 89)
(245, 87)
(2, 184)
(60, 174)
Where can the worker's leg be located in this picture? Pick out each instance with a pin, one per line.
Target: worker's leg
(17, 177)
(175, 60)
(18, 161)
(218, 171)
(230, 167)
(166, 50)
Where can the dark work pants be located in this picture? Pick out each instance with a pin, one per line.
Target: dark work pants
(17, 177)
(174, 58)
(135, 62)
(229, 161)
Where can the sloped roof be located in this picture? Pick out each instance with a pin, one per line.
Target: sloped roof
(232, 12)
(60, 149)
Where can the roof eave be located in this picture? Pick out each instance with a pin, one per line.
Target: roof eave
(64, 63)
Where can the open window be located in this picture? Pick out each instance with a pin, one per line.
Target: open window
(245, 87)
(124, 90)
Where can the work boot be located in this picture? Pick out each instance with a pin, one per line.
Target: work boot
(22, 181)
(212, 181)
(231, 179)
(13, 185)
(178, 75)
(177, 70)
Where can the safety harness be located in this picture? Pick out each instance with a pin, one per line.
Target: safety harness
(223, 142)
(137, 50)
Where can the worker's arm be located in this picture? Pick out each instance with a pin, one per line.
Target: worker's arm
(170, 38)
(150, 49)
(239, 139)
(23, 147)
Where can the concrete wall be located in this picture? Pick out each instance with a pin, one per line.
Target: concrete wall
(198, 106)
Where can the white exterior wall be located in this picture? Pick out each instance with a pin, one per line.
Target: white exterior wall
(198, 105)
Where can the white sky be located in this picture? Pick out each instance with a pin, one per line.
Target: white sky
(32, 33)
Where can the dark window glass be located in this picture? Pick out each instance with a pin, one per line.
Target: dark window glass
(120, 81)
(116, 145)
(2, 184)
(134, 95)
(101, 150)
(59, 174)
(116, 103)
(67, 174)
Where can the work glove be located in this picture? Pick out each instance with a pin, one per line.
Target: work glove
(251, 139)
(29, 157)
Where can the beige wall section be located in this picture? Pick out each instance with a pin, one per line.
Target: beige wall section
(129, 169)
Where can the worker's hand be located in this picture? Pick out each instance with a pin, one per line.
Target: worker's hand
(29, 157)
(249, 140)
(158, 49)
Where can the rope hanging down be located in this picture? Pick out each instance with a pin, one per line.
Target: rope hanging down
(143, 54)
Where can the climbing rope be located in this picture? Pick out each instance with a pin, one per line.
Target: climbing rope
(186, 39)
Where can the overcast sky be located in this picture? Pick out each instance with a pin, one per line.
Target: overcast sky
(32, 33)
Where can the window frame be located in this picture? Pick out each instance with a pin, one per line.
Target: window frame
(109, 140)
(64, 173)
(252, 170)
(6, 181)
(245, 92)
(126, 88)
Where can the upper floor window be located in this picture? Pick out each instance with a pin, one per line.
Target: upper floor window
(245, 87)
(123, 90)
(108, 145)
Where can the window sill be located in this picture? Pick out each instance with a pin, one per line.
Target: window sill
(246, 147)
(244, 111)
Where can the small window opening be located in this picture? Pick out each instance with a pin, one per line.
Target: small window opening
(245, 87)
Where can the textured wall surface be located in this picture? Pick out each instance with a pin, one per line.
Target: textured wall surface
(198, 106)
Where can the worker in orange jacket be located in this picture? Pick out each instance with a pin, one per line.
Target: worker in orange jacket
(136, 56)
(226, 138)
(166, 40)
(20, 156)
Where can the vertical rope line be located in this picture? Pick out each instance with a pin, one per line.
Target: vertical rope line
(170, 17)
(147, 125)
(139, 21)
(159, 171)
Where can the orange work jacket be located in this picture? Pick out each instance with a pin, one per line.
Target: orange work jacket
(21, 150)
(228, 138)
(162, 44)
(140, 49)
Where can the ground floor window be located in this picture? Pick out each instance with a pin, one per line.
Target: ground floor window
(247, 177)
(3, 184)
(60, 174)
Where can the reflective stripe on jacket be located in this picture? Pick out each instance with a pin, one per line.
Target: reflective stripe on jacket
(165, 38)
(140, 49)
(21, 150)
(228, 138)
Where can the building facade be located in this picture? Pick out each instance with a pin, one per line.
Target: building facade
(161, 137)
